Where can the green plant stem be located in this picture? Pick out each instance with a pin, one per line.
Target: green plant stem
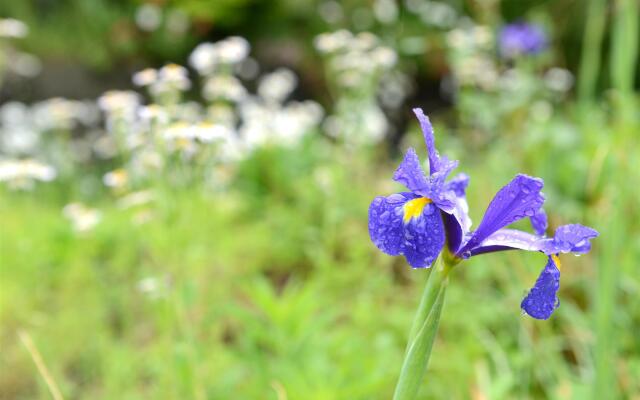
(624, 45)
(624, 55)
(591, 50)
(426, 302)
(423, 332)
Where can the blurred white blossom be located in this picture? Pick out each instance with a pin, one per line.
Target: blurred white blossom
(206, 57)
(22, 174)
(82, 218)
(277, 124)
(559, 79)
(119, 101)
(146, 77)
(356, 66)
(154, 287)
(386, 11)
(223, 87)
(148, 17)
(331, 11)
(136, 199)
(116, 179)
(13, 28)
(277, 85)
(177, 22)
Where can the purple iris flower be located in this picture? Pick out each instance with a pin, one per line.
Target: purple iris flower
(521, 38)
(411, 223)
(433, 216)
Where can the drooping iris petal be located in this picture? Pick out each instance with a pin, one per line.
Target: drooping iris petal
(541, 301)
(539, 222)
(507, 239)
(520, 198)
(574, 238)
(410, 173)
(424, 237)
(427, 132)
(407, 224)
(386, 226)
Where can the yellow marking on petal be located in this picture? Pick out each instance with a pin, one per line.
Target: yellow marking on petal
(413, 208)
(556, 260)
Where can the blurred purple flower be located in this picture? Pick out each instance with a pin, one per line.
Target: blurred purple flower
(418, 223)
(521, 38)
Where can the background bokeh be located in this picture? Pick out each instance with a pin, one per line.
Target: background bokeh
(184, 189)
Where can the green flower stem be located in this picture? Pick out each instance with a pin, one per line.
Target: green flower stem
(423, 332)
(426, 302)
(591, 50)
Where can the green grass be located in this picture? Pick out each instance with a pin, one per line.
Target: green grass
(272, 289)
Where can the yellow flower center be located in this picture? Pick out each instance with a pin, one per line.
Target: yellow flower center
(413, 208)
(556, 260)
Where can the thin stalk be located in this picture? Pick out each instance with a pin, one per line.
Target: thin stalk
(40, 365)
(421, 341)
(616, 225)
(624, 55)
(426, 302)
(624, 45)
(591, 50)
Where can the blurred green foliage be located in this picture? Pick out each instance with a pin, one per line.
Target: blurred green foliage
(272, 290)
(73, 27)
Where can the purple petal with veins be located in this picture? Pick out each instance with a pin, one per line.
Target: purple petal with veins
(539, 222)
(507, 239)
(573, 238)
(542, 300)
(427, 132)
(520, 198)
(410, 173)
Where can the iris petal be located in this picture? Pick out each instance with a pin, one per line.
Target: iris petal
(410, 173)
(445, 168)
(427, 132)
(520, 198)
(385, 222)
(507, 239)
(458, 184)
(572, 238)
(396, 229)
(457, 223)
(424, 237)
(542, 300)
(539, 222)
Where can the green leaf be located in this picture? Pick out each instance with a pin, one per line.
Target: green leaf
(421, 342)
